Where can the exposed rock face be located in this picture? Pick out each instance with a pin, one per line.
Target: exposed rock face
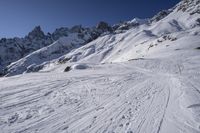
(198, 21)
(76, 29)
(60, 32)
(36, 33)
(160, 15)
(129, 24)
(191, 6)
(103, 26)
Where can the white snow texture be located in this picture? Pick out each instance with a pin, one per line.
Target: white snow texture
(143, 77)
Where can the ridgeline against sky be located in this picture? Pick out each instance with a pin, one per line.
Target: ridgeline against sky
(21, 16)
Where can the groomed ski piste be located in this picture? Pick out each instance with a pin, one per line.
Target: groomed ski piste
(144, 80)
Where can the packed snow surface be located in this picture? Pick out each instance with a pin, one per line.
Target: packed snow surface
(145, 95)
(140, 78)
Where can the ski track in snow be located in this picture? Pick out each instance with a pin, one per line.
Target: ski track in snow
(116, 98)
(141, 79)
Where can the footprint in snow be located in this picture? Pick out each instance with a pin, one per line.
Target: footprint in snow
(13, 118)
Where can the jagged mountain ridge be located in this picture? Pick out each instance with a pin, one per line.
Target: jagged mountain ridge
(166, 26)
(13, 49)
(117, 43)
(75, 37)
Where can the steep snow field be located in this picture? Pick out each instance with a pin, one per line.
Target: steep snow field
(140, 77)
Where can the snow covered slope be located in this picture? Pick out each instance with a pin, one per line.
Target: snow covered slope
(145, 39)
(141, 77)
(155, 95)
(35, 61)
(12, 50)
(129, 40)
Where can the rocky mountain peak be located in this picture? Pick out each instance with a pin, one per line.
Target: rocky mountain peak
(191, 6)
(60, 32)
(36, 33)
(76, 29)
(103, 26)
(160, 15)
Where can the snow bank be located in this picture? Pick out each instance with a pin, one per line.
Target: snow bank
(79, 66)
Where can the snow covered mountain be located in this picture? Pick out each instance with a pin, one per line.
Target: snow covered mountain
(129, 40)
(17, 48)
(163, 33)
(12, 50)
(67, 41)
(140, 76)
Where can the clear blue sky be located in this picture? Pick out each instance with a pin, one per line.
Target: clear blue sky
(18, 17)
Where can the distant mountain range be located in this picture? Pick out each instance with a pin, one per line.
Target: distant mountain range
(103, 43)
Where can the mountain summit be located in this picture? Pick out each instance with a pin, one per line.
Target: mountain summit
(36, 33)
